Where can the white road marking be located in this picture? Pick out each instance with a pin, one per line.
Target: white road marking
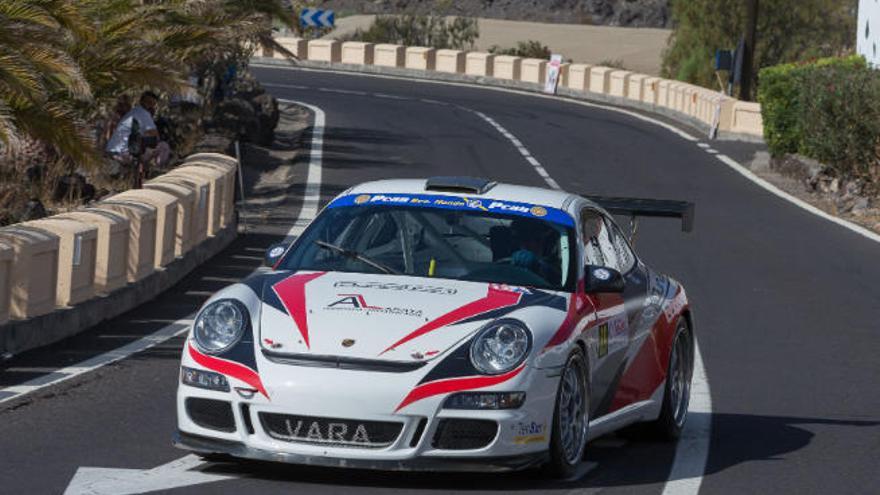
(711, 151)
(703, 145)
(390, 97)
(57, 376)
(669, 127)
(290, 86)
(519, 147)
(692, 450)
(312, 194)
(343, 91)
(311, 202)
(108, 481)
(858, 229)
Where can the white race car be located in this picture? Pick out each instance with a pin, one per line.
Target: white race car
(443, 324)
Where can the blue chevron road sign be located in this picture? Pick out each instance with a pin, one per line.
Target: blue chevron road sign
(317, 18)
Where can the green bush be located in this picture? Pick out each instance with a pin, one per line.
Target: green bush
(827, 109)
(525, 49)
(840, 117)
(420, 30)
(779, 99)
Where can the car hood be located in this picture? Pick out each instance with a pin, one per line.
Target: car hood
(383, 317)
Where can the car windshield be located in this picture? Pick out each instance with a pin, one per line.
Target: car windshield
(458, 244)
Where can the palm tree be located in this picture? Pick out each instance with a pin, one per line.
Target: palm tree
(63, 63)
(39, 78)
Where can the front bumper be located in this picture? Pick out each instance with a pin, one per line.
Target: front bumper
(206, 445)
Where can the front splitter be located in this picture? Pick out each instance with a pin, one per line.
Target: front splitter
(205, 445)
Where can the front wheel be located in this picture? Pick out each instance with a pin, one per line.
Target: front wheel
(677, 393)
(571, 418)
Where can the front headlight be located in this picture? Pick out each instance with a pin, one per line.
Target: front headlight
(500, 347)
(219, 326)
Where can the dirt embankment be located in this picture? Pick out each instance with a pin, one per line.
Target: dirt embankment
(635, 49)
(627, 13)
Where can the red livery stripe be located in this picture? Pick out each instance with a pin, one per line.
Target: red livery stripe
(495, 299)
(292, 293)
(455, 385)
(229, 368)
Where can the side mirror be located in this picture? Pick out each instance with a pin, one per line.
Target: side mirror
(274, 253)
(600, 279)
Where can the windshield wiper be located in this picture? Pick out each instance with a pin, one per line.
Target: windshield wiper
(348, 253)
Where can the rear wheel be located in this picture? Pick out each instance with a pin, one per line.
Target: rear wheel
(571, 418)
(677, 394)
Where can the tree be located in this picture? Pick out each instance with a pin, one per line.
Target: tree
(788, 30)
(63, 63)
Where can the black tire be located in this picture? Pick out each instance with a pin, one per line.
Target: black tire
(561, 465)
(673, 413)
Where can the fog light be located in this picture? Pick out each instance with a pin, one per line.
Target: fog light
(203, 379)
(485, 400)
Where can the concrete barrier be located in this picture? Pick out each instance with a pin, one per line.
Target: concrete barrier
(600, 79)
(387, 55)
(579, 77)
(34, 274)
(507, 67)
(420, 58)
(166, 220)
(19, 335)
(663, 93)
(563, 75)
(216, 191)
(357, 52)
(747, 118)
(636, 87)
(141, 235)
(201, 188)
(297, 46)
(650, 90)
(325, 50)
(77, 252)
(186, 203)
(618, 83)
(229, 167)
(480, 64)
(451, 61)
(6, 256)
(111, 260)
(533, 70)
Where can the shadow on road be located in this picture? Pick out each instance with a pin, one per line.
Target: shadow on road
(745, 438)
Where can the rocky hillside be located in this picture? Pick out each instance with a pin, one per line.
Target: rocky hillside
(630, 13)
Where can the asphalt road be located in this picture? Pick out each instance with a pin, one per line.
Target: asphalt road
(786, 306)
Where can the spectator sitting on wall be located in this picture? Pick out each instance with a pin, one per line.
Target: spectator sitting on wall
(155, 152)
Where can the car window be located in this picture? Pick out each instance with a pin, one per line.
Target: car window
(596, 238)
(626, 259)
(426, 242)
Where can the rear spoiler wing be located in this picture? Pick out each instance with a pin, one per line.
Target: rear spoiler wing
(658, 208)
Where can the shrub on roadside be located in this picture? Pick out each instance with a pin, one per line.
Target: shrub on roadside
(827, 109)
(840, 118)
(780, 94)
(525, 49)
(420, 30)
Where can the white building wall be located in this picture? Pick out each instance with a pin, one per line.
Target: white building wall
(868, 36)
